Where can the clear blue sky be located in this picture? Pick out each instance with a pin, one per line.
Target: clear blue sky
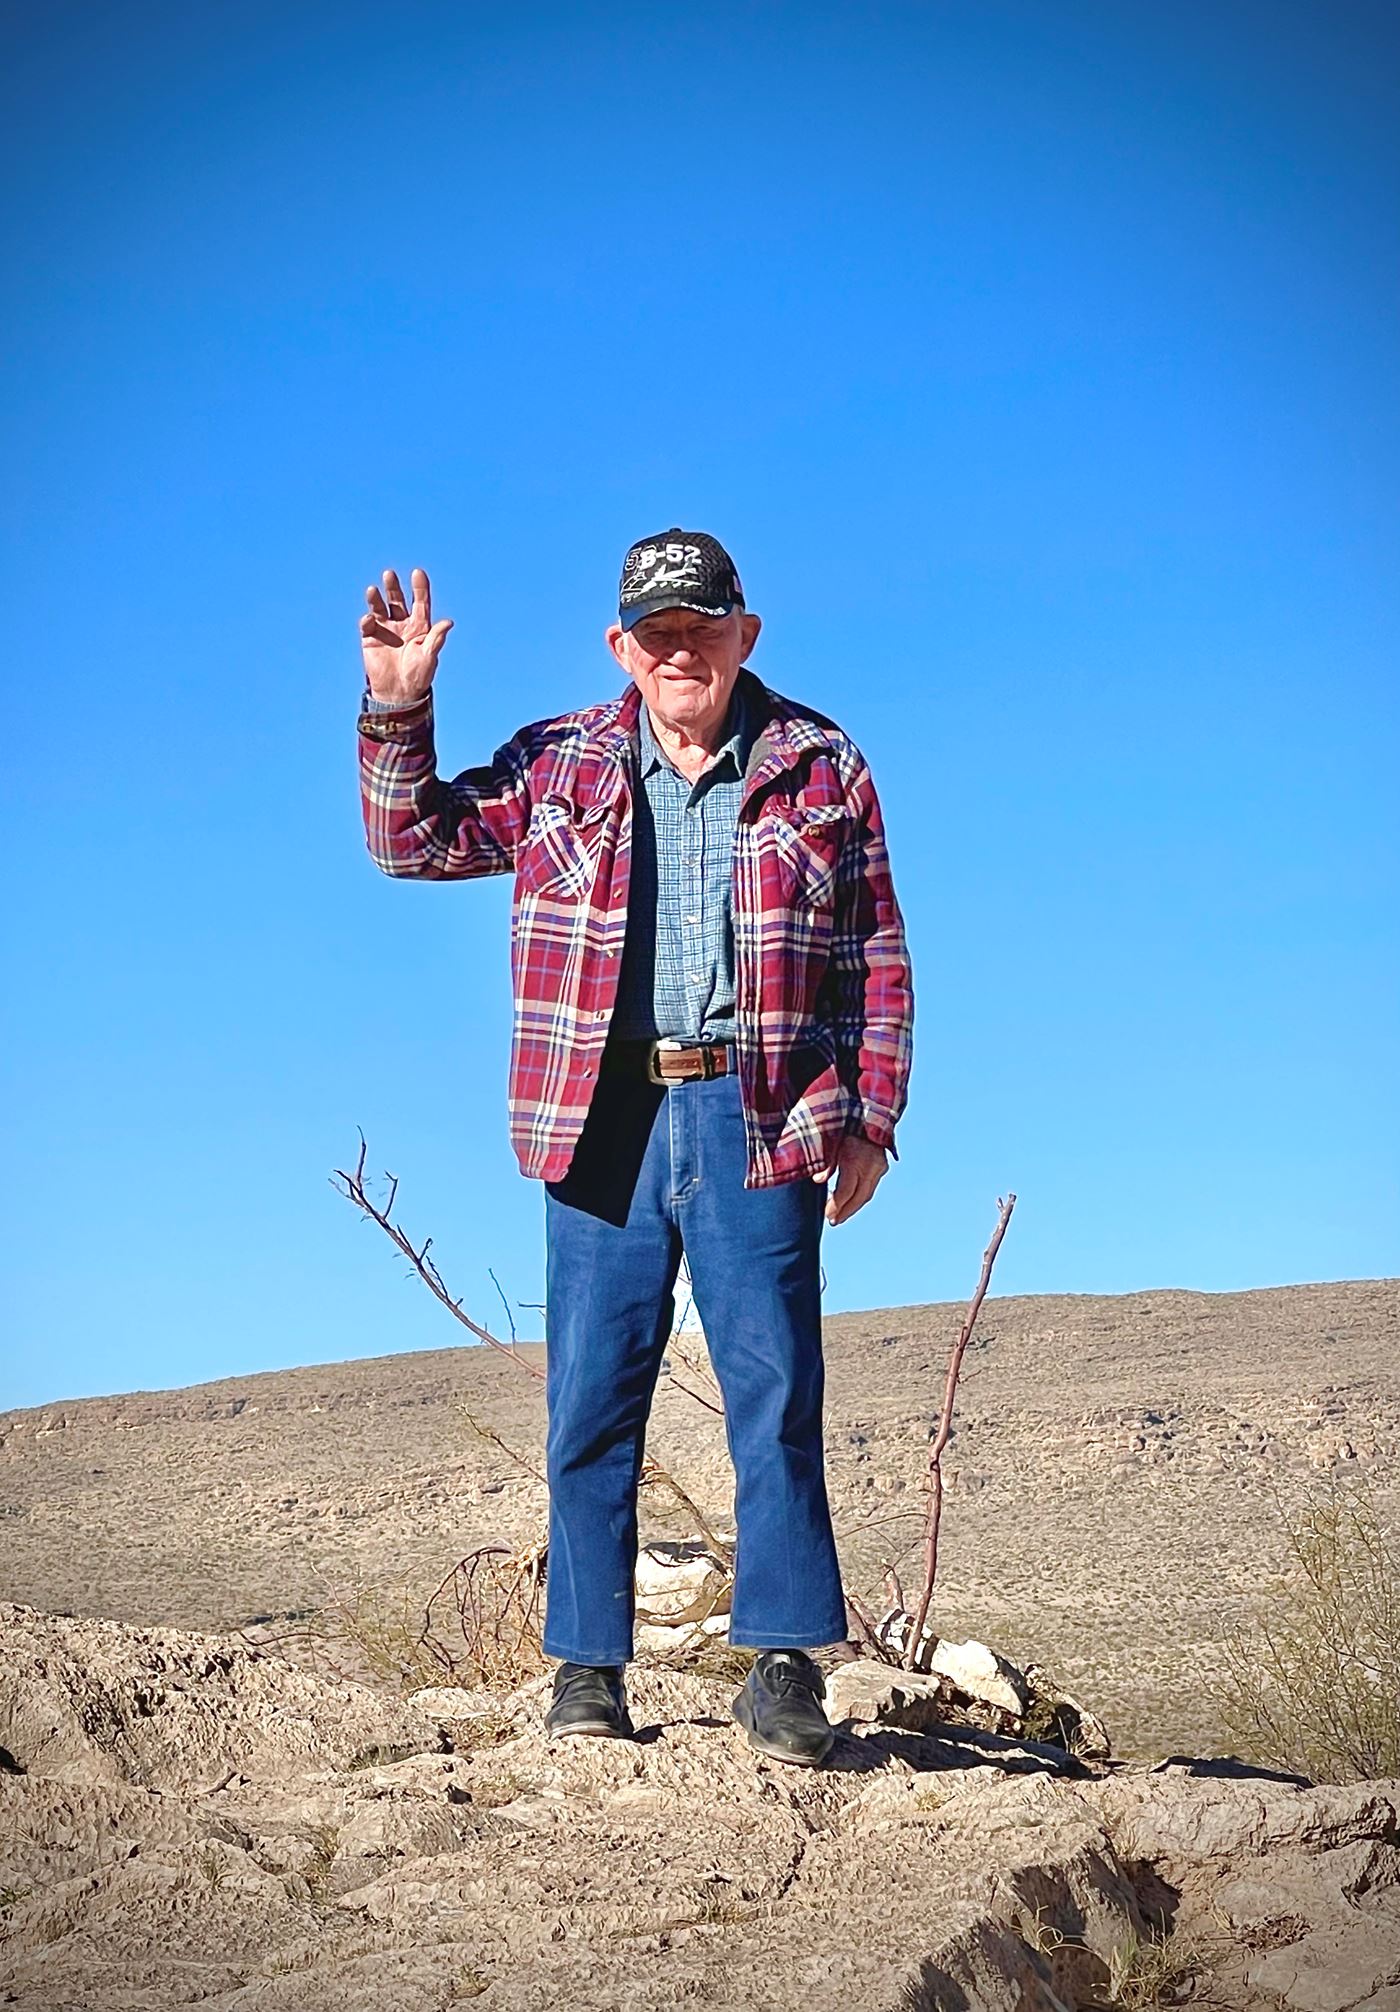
(1037, 362)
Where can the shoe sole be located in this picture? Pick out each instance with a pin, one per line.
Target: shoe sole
(762, 1746)
(595, 1728)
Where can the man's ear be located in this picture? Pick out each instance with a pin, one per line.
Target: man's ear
(615, 636)
(749, 628)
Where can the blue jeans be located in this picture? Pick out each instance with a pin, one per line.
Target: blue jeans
(657, 1172)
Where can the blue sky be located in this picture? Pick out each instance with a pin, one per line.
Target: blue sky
(1038, 364)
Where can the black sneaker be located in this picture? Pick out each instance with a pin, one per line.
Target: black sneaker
(588, 1700)
(779, 1709)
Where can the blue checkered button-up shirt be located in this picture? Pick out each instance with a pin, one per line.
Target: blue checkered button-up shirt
(677, 975)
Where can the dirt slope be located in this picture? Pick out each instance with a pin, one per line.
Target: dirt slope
(1111, 1478)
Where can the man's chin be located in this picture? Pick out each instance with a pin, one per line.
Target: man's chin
(683, 702)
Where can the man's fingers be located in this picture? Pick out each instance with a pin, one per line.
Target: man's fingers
(842, 1207)
(398, 606)
(839, 1200)
(435, 637)
(853, 1190)
(376, 602)
(422, 598)
(373, 629)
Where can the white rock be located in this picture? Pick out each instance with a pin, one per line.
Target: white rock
(681, 1582)
(973, 1668)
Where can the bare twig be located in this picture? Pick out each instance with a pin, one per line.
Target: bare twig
(945, 1427)
(495, 1439)
(354, 1190)
(700, 1369)
(654, 1475)
(879, 1522)
(510, 1317)
(865, 1623)
(500, 1633)
(712, 1403)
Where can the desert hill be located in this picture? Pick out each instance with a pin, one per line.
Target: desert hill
(1112, 1476)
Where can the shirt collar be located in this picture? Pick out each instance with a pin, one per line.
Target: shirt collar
(736, 743)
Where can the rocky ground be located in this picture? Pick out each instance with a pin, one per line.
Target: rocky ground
(189, 1822)
(1112, 1479)
(188, 1815)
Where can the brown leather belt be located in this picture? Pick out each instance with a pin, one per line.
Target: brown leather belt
(670, 1061)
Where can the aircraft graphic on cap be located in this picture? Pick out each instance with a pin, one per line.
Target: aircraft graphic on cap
(677, 569)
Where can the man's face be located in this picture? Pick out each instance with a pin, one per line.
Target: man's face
(686, 663)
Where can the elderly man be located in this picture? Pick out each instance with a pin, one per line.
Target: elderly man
(713, 1016)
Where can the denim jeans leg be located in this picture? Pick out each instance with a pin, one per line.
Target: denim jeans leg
(612, 1254)
(755, 1262)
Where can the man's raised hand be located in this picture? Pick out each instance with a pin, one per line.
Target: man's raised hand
(400, 643)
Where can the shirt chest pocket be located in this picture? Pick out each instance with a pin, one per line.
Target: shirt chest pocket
(808, 843)
(559, 853)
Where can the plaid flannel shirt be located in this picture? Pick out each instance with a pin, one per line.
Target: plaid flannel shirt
(824, 1005)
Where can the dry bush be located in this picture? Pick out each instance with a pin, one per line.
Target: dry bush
(1310, 1685)
(480, 1629)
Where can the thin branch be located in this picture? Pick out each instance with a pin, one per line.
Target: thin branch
(485, 1432)
(696, 1368)
(654, 1475)
(878, 1522)
(504, 1302)
(354, 1190)
(865, 1623)
(945, 1427)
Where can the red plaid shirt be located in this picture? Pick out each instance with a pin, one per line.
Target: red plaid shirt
(824, 1008)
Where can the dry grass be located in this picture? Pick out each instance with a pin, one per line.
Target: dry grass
(711, 1656)
(316, 1868)
(927, 1799)
(467, 1983)
(1142, 1974)
(496, 1794)
(1310, 1686)
(484, 1730)
(1145, 1974)
(214, 1867)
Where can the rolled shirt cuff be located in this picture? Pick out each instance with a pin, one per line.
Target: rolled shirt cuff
(370, 704)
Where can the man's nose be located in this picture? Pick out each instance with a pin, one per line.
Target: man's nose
(682, 655)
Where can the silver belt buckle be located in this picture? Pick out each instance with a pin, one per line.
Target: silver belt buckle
(662, 1041)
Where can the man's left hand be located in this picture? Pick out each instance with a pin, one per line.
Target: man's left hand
(859, 1168)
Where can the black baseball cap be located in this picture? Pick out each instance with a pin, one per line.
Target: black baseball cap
(677, 569)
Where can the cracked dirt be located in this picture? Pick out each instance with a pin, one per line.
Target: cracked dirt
(188, 1823)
